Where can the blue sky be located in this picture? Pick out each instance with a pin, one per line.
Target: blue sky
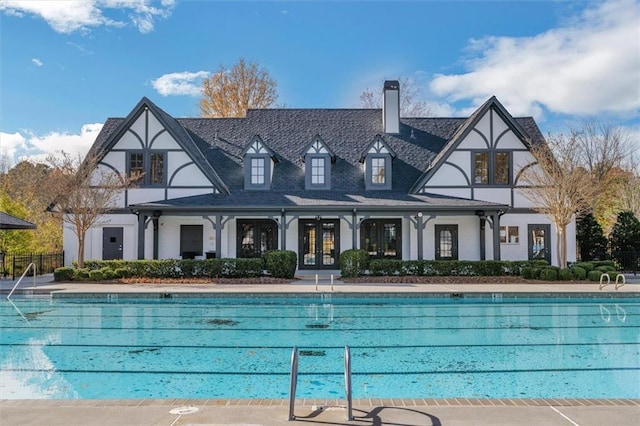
(65, 66)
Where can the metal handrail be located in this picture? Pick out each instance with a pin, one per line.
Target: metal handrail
(293, 383)
(20, 279)
(347, 381)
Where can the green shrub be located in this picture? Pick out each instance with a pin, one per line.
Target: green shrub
(535, 274)
(490, 268)
(548, 274)
(243, 267)
(540, 263)
(578, 273)
(609, 263)
(594, 275)
(63, 274)
(120, 273)
(96, 275)
(565, 274)
(109, 274)
(353, 263)
(281, 263)
(514, 268)
(189, 267)
(414, 267)
(386, 267)
(81, 274)
(587, 266)
(527, 272)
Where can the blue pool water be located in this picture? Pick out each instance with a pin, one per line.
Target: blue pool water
(241, 347)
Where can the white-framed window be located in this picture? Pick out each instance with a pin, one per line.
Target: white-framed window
(257, 171)
(317, 170)
(509, 235)
(378, 170)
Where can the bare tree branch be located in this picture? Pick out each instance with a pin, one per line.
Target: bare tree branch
(85, 192)
(410, 105)
(558, 186)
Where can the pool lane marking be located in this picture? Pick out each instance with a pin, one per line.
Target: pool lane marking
(567, 418)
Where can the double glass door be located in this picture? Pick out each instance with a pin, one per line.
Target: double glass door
(381, 238)
(319, 243)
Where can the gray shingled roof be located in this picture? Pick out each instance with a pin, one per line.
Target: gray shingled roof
(8, 221)
(347, 132)
(328, 200)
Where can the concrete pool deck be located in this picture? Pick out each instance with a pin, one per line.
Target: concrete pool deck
(443, 412)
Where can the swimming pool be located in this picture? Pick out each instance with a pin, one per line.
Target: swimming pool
(225, 347)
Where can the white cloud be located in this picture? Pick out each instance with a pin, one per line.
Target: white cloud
(24, 145)
(68, 16)
(180, 83)
(37, 62)
(587, 66)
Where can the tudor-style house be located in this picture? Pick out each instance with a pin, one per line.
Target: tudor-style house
(321, 181)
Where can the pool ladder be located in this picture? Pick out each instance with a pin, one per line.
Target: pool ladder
(294, 382)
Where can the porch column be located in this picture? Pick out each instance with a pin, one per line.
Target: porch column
(142, 218)
(420, 237)
(354, 230)
(155, 237)
(495, 218)
(219, 236)
(483, 243)
(283, 230)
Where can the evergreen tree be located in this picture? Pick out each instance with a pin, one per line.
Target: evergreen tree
(592, 244)
(625, 239)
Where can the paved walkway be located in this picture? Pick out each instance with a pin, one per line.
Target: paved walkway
(449, 412)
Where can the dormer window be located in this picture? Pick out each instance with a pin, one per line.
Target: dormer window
(378, 168)
(318, 171)
(257, 170)
(377, 159)
(259, 162)
(318, 158)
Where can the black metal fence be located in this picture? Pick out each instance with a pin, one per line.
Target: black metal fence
(626, 261)
(14, 264)
(629, 261)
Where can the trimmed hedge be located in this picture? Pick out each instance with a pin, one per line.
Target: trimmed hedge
(281, 263)
(594, 275)
(353, 263)
(578, 272)
(389, 267)
(177, 268)
(96, 275)
(565, 274)
(63, 274)
(548, 274)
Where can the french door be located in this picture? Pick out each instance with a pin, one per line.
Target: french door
(446, 242)
(319, 243)
(539, 236)
(381, 238)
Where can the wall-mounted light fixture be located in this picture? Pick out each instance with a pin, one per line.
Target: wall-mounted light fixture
(419, 214)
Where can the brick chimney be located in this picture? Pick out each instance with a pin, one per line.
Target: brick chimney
(391, 107)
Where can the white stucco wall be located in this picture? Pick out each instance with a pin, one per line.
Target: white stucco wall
(93, 240)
